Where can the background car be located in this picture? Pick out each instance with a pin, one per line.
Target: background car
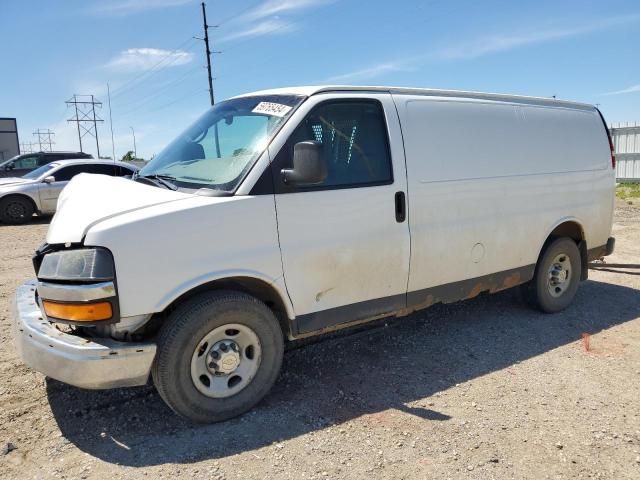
(22, 164)
(38, 191)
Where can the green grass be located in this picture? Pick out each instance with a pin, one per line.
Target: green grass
(628, 191)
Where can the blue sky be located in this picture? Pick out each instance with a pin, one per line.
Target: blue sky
(579, 50)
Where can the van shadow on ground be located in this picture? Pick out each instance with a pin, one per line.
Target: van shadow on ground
(342, 378)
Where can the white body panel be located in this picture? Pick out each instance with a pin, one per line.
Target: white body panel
(501, 175)
(165, 250)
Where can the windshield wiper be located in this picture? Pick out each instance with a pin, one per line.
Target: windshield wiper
(164, 180)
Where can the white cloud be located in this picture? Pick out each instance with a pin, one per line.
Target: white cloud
(373, 71)
(267, 27)
(140, 59)
(265, 19)
(487, 45)
(490, 44)
(125, 7)
(631, 89)
(276, 7)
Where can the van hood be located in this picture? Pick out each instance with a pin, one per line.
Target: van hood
(89, 199)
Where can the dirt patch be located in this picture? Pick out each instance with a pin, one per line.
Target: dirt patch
(485, 388)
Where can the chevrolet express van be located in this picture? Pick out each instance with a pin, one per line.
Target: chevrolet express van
(287, 213)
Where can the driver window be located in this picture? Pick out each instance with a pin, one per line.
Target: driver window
(25, 163)
(354, 143)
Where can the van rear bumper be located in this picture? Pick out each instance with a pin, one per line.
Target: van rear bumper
(602, 251)
(85, 362)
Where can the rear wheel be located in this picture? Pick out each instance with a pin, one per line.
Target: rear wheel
(556, 277)
(15, 210)
(218, 355)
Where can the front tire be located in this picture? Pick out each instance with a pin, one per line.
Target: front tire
(15, 210)
(556, 278)
(218, 355)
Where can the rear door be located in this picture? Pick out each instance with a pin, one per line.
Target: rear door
(345, 243)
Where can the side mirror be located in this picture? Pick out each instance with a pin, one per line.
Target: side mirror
(49, 179)
(309, 167)
(9, 166)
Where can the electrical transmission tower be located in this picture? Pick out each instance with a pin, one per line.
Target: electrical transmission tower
(44, 139)
(85, 117)
(26, 148)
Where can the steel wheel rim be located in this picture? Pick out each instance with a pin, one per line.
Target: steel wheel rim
(225, 360)
(16, 210)
(559, 275)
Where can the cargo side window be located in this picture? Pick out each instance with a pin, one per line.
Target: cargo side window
(355, 144)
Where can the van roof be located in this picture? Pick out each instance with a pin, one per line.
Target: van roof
(500, 97)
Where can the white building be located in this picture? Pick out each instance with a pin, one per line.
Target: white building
(626, 141)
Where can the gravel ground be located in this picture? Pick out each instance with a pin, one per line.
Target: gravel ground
(480, 389)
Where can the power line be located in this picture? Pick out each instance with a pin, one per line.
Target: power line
(135, 105)
(151, 71)
(239, 14)
(44, 139)
(179, 99)
(86, 114)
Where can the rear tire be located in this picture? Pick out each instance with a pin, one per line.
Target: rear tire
(15, 210)
(218, 355)
(557, 277)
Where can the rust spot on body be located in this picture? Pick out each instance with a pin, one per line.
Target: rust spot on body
(477, 290)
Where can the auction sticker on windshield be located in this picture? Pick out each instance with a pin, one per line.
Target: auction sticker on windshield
(270, 108)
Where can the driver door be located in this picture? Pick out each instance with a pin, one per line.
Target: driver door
(344, 242)
(49, 192)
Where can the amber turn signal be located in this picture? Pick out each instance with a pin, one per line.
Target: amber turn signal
(78, 312)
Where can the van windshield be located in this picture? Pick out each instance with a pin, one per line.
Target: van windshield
(220, 148)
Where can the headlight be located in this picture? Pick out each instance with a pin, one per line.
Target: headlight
(88, 264)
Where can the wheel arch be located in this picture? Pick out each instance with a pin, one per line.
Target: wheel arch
(573, 228)
(29, 198)
(260, 288)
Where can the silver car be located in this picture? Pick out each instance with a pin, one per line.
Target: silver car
(38, 191)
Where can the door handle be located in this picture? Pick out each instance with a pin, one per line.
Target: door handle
(401, 207)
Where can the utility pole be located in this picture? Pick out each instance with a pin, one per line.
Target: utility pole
(113, 147)
(44, 139)
(86, 114)
(135, 150)
(206, 44)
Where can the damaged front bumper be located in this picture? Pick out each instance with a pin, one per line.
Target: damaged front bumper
(85, 362)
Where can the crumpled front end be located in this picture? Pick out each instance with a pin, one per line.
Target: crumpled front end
(82, 361)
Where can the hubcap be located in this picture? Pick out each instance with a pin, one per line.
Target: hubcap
(16, 210)
(225, 360)
(559, 277)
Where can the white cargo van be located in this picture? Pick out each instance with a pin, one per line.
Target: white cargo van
(287, 213)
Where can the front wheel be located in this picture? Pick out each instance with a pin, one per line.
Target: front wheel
(218, 355)
(15, 210)
(556, 277)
